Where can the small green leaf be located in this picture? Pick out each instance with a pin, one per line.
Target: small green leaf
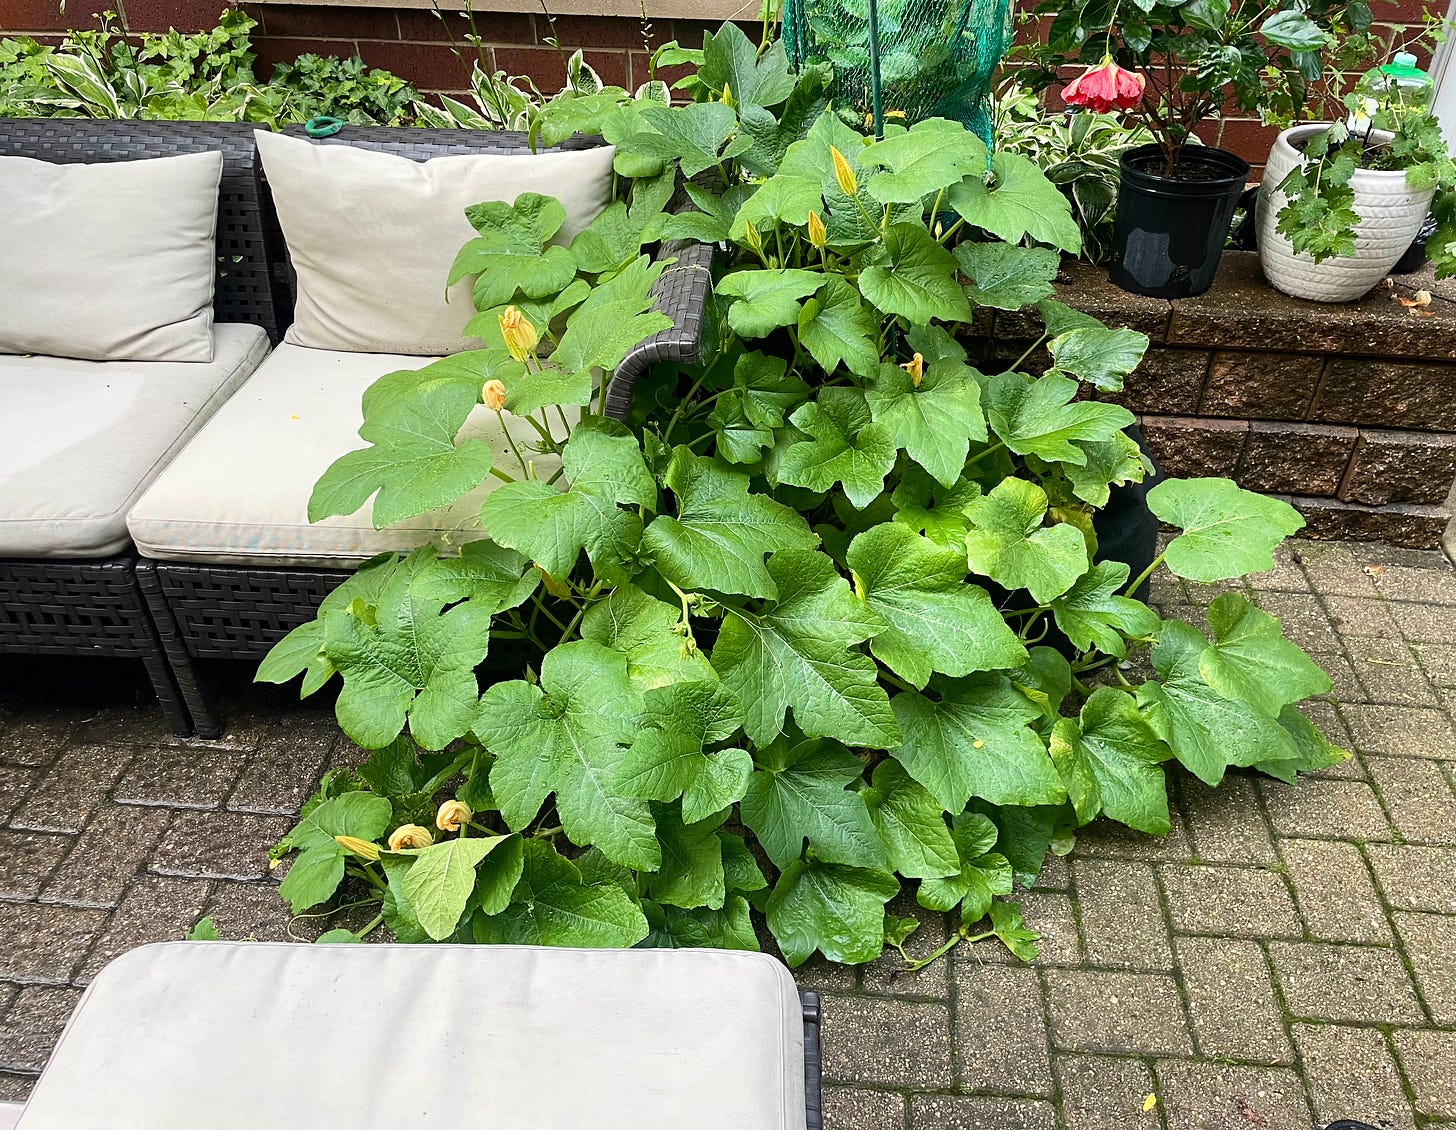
(800, 652)
(1111, 760)
(441, 880)
(932, 155)
(765, 300)
(1005, 277)
(980, 874)
(1019, 201)
(846, 446)
(1251, 660)
(1010, 928)
(648, 632)
(1092, 615)
(938, 621)
(1100, 356)
(1227, 531)
(911, 824)
(555, 906)
(801, 795)
(977, 740)
(1040, 417)
(935, 421)
(839, 911)
(909, 274)
(1008, 543)
(836, 327)
(691, 874)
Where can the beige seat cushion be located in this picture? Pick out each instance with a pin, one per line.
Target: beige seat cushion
(239, 493)
(10, 1114)
(252, 1035)
(85, 438)
(372, 235)
(109, 262)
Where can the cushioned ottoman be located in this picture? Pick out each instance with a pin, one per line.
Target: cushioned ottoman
(87, 437)
(239, 492)
(256, 1036)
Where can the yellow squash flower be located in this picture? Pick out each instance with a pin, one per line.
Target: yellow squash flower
(362, 848)
(843, 174)
(916, 369)
(518, 332)
(410, 836)
(493, 395)
(452, 814)
(817, 234)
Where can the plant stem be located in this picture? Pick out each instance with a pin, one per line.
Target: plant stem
(1144, 575)
(1029, 350)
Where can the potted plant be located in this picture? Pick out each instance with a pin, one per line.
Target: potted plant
(1341, 202)
(1171, 66)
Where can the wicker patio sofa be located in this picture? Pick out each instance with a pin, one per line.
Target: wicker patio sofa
(236, 606)
(67, 573)
(246, 1035)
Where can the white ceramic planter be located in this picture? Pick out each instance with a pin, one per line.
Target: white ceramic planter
(1390, 214)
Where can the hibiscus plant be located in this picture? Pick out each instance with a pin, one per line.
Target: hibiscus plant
(1174, 64)
(822, 618)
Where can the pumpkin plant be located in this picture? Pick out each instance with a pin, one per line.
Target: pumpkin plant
(823, 618)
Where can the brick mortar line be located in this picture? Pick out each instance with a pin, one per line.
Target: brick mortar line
(1287, 1018)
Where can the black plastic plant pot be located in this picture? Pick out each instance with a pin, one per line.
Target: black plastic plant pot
(1170, 231)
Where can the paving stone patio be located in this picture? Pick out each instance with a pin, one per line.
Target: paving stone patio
(1285, 957)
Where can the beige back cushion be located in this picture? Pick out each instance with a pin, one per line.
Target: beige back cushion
(109, 262)
(372, 235)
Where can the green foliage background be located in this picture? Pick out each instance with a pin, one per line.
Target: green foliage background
(823, 619)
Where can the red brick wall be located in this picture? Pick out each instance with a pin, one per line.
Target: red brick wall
(414, 44)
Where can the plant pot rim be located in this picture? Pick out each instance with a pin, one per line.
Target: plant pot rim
(1159, 185)
(1310, 129)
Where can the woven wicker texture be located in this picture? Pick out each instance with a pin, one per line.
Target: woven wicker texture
(245, 251)
(813, 1062)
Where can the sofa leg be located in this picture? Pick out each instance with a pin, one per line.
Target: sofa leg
(182, 670)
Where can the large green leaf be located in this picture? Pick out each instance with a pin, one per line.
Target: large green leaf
(909, 274)
(318, 869)
(800, 794)
(721, 532)
(781, 198)
(836, 327)
(846, 446)
(931, 155)
(976, 741)
(1315, 750)
(1251, 660)
(1206, 731)
(980, 875)
(1111, 760)
(801, 652)
(697, 135)
(613, 240)
(733, 62)
(1008, 543)
(670, 759)
(649, 633)
(938, 621)
(1092, 615)
(936, 511)
(691, 874)
(1019, 201)
(604, 466)
(555, 906)
(1227, 531)
(485, 574)
(911, 824)
(510, 253)
(1005, 277)
(935, 420)
(839, 911)
(765, 300)
(1040, 417)
(441, 880)
(405, 658)
(568, 736)
(413, 463)
(1100, 356)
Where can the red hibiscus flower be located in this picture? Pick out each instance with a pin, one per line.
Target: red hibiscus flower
(1105, 87)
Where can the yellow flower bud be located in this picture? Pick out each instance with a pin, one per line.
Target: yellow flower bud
(493, 395)
(452, 814)
(843, 174)
(518, 332)
(817, 234)
(410, 836)
(916, 369)
(752, 237)
(362, 848)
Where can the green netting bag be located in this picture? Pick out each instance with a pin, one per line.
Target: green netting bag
(904, 60)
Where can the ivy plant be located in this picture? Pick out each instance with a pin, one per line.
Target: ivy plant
(824, 618)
